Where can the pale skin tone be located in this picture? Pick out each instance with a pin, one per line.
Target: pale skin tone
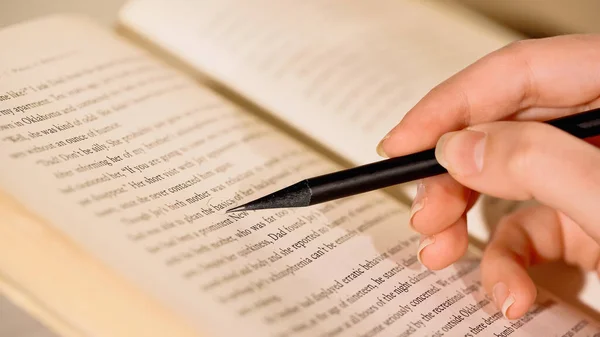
(484, 123)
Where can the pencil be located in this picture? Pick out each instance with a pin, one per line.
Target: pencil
(389, 172)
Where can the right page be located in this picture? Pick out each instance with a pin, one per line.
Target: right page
(341, 72)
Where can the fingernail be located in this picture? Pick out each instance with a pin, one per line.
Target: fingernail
(502, 297)
(418, 202)
(379, 149)
(424, 243)
(461, 152)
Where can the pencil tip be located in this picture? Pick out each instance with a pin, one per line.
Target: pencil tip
(236, 209)
(295, 195)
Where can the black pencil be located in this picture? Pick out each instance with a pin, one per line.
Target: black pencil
(390, 172)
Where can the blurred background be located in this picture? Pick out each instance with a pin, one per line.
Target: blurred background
(534, 18)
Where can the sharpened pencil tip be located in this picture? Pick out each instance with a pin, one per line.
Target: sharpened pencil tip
(296, 195)
(236, 209)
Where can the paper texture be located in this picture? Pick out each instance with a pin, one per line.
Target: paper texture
(136, 163)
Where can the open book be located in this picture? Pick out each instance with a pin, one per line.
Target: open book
(117, 168)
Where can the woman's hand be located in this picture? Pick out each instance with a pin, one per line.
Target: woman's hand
(503, 154)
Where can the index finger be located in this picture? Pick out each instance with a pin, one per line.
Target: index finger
(555, 72)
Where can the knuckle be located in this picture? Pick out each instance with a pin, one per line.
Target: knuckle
(524, 154)
(518, 54)
(505, 221)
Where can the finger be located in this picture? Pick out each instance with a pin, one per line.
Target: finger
(444, 248)
(524, 160)
(553, 72)
(473, 196)
(440, 201)
(540, 114)
(527, 237)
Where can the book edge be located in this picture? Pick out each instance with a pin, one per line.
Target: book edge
(31, 306)
(75, 275)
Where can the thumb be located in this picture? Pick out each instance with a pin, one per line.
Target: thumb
(524, 160)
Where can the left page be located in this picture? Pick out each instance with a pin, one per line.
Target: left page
(136, 163)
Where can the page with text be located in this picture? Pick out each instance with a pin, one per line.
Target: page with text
(342, 72)
(137, 163)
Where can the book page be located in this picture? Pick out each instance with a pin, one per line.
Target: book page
(355, 67)
(342, 72)
(137, 163)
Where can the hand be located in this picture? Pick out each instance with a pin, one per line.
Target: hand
(503, 153)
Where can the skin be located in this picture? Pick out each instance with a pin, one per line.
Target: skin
(483, 122)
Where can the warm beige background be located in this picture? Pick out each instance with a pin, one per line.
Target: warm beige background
(542, 17)
(538, 17)
(13, 11)
(535, 17)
